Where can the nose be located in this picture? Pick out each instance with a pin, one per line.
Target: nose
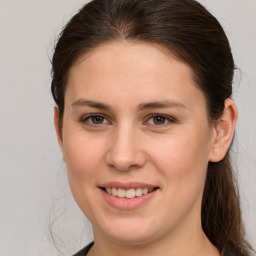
(124, 152)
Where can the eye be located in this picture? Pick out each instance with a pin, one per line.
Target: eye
(160, 120)
(94, 120)
(97, 119)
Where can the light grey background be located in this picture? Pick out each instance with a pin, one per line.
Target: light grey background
(33, 185)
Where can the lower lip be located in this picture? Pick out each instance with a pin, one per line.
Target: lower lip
(128, 203)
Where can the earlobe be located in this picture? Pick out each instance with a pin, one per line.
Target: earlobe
(56, 124)
(223, 132)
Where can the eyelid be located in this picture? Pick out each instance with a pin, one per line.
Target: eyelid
(84, 119)
(169, 119)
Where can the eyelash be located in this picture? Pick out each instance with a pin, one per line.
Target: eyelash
(167, 120)
(85, 119)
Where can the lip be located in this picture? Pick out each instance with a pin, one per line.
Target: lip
(127, 203)
(127, 185)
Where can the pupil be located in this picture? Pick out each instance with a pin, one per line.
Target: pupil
(97, 119)
(159, 120)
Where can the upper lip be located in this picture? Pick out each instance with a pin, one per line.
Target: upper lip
(126, 185)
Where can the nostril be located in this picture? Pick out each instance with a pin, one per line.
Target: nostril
(125, 158)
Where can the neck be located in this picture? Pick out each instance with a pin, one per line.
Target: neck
(190, 244)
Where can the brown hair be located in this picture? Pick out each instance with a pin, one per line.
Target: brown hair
(189, 31)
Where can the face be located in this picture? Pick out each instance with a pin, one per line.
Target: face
(136, 141)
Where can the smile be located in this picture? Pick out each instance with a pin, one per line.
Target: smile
(128, 193)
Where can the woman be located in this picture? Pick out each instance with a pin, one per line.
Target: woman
(145, 121)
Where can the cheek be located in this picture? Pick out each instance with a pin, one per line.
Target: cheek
(83, 155)
(182, 161)
(181, 151)
(183, 166)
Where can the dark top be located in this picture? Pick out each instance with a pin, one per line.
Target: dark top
(85, 250)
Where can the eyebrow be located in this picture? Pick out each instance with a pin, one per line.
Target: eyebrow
(161, 104)
(90, 103)
(141, 107)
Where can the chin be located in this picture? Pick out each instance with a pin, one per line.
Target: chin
(131, 231)
(132, 238)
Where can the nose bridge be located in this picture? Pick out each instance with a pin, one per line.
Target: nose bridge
(124, 152)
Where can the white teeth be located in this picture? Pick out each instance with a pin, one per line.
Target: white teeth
(109, 190)
(114, 192)
(121, 192)
(129, 193)
(144, 191)
(138, 192)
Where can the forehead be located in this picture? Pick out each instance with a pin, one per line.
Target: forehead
(128, 56)
(126, 69)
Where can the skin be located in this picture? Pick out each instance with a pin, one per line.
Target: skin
(129, 145)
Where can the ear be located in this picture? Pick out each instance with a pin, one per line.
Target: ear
(56, 124)
(223, 132)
